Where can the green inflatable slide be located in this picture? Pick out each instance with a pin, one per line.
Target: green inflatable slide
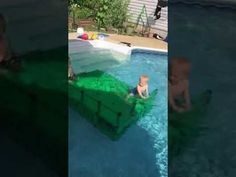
(105, 102)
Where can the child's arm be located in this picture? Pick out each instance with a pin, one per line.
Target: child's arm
(140, 92)
(172, 102)
(187, 96)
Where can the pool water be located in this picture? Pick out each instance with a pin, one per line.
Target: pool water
(142, 150)
(155, 123)
(206, 36)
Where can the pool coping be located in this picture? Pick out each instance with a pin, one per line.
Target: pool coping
(139, 41)
(150, 49)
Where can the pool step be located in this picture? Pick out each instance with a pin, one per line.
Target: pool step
(77, 46)
(80, 54)
(101, 65)
(90, 59)
(97, 53)
(90, 62)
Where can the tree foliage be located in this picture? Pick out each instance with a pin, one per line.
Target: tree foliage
(106, 13)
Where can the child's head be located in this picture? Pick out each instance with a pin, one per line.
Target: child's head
(143, 80)
(179, 69)
(2, 24)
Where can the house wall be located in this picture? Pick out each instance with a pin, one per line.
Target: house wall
(35, 24)
(159, 26)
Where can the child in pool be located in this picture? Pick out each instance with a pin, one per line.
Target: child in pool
(179, 98)
(142, 88)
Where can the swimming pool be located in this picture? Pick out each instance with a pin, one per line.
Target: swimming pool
(205, 35)
(142, 150)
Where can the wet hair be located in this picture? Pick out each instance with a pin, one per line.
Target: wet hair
(177, 63)
(2, 22)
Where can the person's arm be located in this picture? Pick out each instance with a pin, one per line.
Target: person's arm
(172, 102)
(187, 96)
(140, 92)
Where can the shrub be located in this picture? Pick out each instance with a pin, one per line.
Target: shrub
(106, 13)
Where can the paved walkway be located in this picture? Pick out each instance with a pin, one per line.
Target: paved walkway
(134, 40)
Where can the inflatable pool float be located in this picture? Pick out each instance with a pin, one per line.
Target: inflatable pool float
(183, 127)
(104, 101)
(93, 36)
(80, 31)
(102, 36)
(84, 36)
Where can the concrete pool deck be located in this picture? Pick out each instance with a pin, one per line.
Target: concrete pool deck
(135, 41)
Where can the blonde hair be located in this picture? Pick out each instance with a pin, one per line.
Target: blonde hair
(143, 76)
(179, 60)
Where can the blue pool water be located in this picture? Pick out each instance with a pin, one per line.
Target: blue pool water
(155, 66)
(142, 150)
